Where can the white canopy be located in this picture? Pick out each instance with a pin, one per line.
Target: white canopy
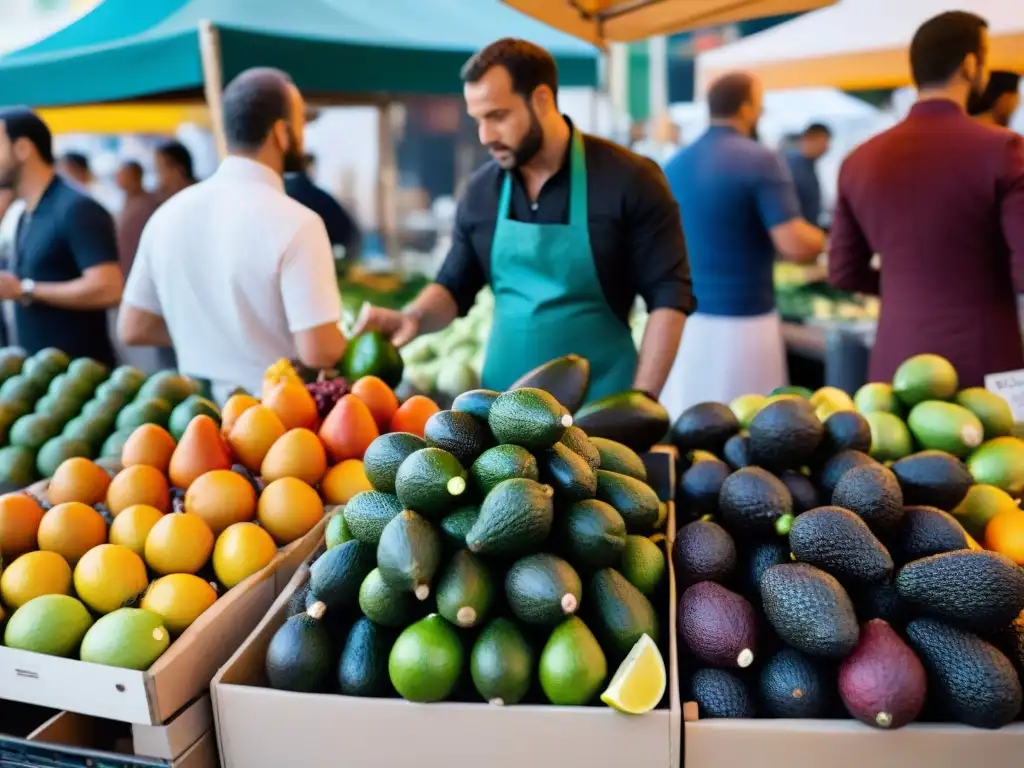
(858, 44)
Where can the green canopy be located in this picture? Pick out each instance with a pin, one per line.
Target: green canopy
(131, 49)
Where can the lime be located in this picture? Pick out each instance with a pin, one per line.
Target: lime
(890, 438)
(572, 664)
(981, 504)
(639, 683)
(993, 411)
(999, 462)
(877, 396)
(426, 660)
(924, 377)
(50, 624)
(337, 531)
(128, 637)
(643, 563)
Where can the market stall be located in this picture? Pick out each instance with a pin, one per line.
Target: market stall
(841, 48)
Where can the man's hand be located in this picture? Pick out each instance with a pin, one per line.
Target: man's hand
(10, 286)
(399, 327)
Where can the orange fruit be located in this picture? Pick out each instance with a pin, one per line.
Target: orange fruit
(297, 453)
(412, 415)
(71, 529)
(34, 574)
(139, 484)
(1005, 534)
(233, 408)
(149, 444)
(253, 434)
(221, 498)
(293, 404)
(179, 543)
(348, 429)
(379, 398)
(240, 551)
(132, 526)
(289, 509)
(109, 577)
(78, 479)
(20, 515)
(343, 481)
(179, 599)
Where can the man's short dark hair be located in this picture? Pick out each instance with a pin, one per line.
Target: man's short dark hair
(729, 93)
(23, 123)
(817, 129)
(76, 160)
(134, 166)
(253, 102)
(941, 44)
(1000, 83)
(528, 65)
(177, 154)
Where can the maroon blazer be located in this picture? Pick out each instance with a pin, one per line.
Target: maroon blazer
(940, 198)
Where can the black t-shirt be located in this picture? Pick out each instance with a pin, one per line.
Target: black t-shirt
(66, 234)
(635, 231)
(341, 229)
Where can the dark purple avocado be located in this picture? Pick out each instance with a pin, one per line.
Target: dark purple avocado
(718, 625)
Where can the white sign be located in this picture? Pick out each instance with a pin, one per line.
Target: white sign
(1010, 387)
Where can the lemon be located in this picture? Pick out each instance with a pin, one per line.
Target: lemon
(240, 551)
(639, 683)
(179, 543)
(179, 599)
(132, 526)
(109, 576)
(34, 574)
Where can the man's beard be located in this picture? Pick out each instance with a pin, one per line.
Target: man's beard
(528, 147)
(294, 160)
(9, 177)
(753, 133)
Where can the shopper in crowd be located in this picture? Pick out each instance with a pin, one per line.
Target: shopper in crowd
(138, 206)
(341, 228)
(74, 167)
(174, 169)
(803, 159)
(999, 101)
(231, 271)
(739, 208)
(566, 228)
(64, 273)
(941, 198)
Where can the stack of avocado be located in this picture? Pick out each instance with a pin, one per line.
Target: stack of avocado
(818, 582)
(53, 408)
(504, 558)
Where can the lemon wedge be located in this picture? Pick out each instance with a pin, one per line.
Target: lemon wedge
(639, 683)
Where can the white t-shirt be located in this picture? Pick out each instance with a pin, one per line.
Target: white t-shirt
(235, 267)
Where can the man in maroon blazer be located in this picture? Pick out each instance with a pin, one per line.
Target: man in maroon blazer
(940, 199)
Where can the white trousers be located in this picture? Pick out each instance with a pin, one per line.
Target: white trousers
(721, 358)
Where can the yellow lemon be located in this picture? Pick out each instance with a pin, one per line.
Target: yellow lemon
(179, 599)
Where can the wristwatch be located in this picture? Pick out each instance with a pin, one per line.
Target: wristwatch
(28, 290)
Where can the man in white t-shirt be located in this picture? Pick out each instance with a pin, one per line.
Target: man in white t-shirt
(231, 271)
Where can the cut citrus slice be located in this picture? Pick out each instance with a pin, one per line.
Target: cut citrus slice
(639, 682)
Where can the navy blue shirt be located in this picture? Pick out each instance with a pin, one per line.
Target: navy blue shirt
(731, 191)
(65, 235)
(808, 187)
(341, 229)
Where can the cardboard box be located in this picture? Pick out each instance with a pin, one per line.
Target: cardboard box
(182, 674)
(845, 744)
(259, 727)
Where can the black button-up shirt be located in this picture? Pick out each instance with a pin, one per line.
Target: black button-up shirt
(66, 234)
(635, 230)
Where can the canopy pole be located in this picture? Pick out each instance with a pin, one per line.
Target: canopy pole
(213, 82)
(387, 188)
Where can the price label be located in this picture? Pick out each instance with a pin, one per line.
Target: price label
(1010, 387)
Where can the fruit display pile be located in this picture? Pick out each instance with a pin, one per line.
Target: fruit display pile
(53, 408)
(827, 561)
(501, 556)
(109, 567)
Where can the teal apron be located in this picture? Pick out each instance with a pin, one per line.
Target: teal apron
(547, 298)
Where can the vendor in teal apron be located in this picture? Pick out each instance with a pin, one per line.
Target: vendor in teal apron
(566, 228)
